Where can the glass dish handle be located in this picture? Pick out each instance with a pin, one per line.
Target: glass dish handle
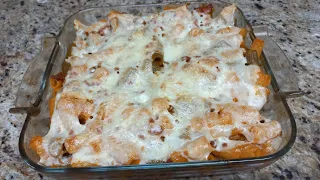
(285, 79)
(35, 79)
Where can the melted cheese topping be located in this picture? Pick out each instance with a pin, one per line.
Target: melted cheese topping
(137, 113)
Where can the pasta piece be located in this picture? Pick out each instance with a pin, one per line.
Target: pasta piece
(55, 84)
(114, 21)
(75, 71)
(56, 81)
(157, 62)
(263, 79)
(154, 128)
(76, 106)
(196, 32)
(236, 135)
(209, 61)
(232, 55)
(144, 112)
(35, 144)
(224, 30)
(264, 132)
(83, 164)
(177, 30)
(175, 7)
(121, 20)
(257, 45)
(211, 158)
(128, 78)
(74, 143)
(123, 152)
(160, 104)
(229, 31)
(198, 72)
(78, 25)
(198, 149)
(171, 6)
(51, 105)
(114, 24)
(244, 151)
(188, 105)
(107, 108)
(177, 158)
(165, 123)
(94, 39)
(113, 14)
(241, 114)
(100, 73)
(243, 33)
(227, 14)
(66, 66)
(232, 77)
(56, 147)
(206, 9)
(97, 27)
(197, 123)
(220, 118)
(96, 145)
(95, 126)
(127, 112)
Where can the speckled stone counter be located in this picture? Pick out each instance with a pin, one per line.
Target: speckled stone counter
(294, 25)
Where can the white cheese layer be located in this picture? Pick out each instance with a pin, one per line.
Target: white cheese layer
(111, 69)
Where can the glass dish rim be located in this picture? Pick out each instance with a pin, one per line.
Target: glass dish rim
(218, 163)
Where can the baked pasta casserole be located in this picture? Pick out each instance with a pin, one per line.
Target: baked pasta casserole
(173, 86)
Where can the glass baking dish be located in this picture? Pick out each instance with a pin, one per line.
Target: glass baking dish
(33, 96)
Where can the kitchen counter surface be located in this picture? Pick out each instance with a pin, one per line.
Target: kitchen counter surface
(294, 25)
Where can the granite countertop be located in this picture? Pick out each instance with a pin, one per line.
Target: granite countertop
(294, 25)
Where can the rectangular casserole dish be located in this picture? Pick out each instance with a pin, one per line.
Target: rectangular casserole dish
(33, 97)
